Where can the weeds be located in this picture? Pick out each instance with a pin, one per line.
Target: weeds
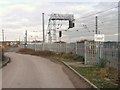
(102, 63)
(60, 56)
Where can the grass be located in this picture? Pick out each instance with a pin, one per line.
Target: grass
(97, 76)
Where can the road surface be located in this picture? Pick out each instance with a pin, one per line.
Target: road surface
(26, 71)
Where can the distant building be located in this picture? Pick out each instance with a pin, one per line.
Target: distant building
(9, 43)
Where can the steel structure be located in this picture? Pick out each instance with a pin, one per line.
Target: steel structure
(53, 24)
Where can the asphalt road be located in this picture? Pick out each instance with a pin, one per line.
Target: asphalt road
(26, 71)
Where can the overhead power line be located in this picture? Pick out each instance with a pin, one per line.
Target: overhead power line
(99, 12)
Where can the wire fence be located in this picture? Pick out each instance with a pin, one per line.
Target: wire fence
(92, 51)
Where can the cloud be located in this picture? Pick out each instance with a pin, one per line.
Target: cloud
(14, 8)
(18, 15)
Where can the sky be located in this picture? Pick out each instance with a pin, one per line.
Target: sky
(17, 16)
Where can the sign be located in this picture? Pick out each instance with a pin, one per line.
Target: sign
(99, 37)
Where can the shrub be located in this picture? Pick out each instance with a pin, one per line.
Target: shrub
(1, 53)
(102, 63)
(26, 51)
(79, 58)
(37, 53)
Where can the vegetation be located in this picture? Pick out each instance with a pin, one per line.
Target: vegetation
(37, 53)
(1, 53)
(102, 63)
(1, 56)
(68, 57)
(101, 77)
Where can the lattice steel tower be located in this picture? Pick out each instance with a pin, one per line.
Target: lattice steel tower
(52, 26)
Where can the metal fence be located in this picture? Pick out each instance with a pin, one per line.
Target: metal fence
(111, 54)
(90, 50)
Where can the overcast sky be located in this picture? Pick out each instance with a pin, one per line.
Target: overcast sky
(16, 16)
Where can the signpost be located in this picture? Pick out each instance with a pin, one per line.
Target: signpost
(99, 38)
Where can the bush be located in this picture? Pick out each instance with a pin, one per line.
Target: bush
(1, 53)
(37, 53)
(26, 51)
(102, 63)
(79, 58)
(67, 56)
(71, 56)
(44, 53)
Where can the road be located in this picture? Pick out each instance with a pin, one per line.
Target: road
(26, 71)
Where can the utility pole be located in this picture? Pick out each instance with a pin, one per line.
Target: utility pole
(3, 35)
(43, 27)
(99, 43)
(26, 39)
(19, 39)
(96, 26)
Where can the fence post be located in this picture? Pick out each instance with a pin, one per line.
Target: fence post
(66, 47)
(85, 52)
(76, 48)
(60, 47)
(49, 46)
(43, 46)
(35, 46)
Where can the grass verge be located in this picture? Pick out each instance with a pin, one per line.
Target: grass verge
(99, 76)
